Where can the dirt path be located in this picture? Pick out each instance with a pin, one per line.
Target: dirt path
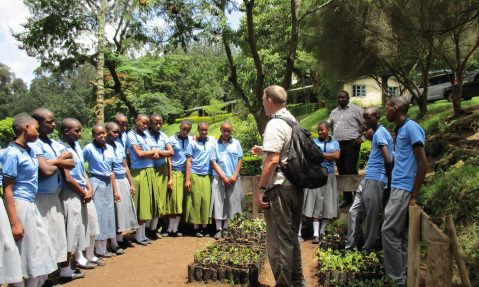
(164, 263)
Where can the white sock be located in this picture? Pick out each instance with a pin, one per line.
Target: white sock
(154, 223)
(171, 224)
(324, 223)
(17, 284)
(143, 231)
(139, 233)
(113, 242)
(225, 224)
(33, 281)
(315, 228)
(89, 251)
(99, 247)
(103, 245)
(119, 237)
(218, 224)
(176, 223)
(300, 227)
(80, 259)
(147, 223)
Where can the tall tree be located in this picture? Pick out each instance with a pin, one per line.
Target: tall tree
(11, 89)
(99, 84)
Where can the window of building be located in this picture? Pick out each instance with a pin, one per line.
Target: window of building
(393, 91)
(359, 91)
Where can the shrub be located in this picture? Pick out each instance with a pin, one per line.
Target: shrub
(6, 131)
(246, 132)
(251, 165)
(364, 154)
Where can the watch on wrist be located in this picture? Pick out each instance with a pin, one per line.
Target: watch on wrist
(260, 187)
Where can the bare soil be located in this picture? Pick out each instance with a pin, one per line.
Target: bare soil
(164, 263)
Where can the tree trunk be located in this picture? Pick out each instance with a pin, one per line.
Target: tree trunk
(100, 88)
(422, 98)
(384, 90)
(457, 94)
(293, 45)
(117, 87)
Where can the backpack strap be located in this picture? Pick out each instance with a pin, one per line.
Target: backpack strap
(288, 121)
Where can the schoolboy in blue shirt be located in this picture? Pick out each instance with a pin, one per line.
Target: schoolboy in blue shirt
(226, 190)
(368, 201)
(410, 167)
(100, 157)
(20, 176)
(159, 143)
(197, 180)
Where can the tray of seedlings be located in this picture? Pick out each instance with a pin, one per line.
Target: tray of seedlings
(242, 230)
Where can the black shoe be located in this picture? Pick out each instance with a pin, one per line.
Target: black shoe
(198, 233)
(205, 233)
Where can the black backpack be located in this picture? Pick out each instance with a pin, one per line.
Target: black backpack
(303, 167)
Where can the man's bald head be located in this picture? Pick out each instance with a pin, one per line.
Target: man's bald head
(40, 114)
(401, 103)
(69, 123)
(21, 122)
(372, 111)
(120, 118)
(111, 125)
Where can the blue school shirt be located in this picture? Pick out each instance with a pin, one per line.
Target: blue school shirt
(2, 154)
(123, 139)
(119, 156)
(78, 172)
(327, 147)
(158, 142)
(100, 159)
(409, 133)
(201, 154)
(50, 149)
(375, 168)
(138, 139)
(179, 145)
(21, 164)
(227, 156)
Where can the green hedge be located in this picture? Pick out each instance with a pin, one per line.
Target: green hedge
(364, 154)
(198, 119)
(251, 165)
(6, 131)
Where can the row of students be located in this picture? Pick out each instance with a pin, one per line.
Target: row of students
(57, 211)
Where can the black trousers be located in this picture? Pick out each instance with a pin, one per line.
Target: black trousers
(348, 162)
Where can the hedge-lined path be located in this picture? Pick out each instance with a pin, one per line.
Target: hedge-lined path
(164, 263)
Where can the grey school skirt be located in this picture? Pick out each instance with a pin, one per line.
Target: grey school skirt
(105, 206)
(226, 201)
(125, 208)
(10, 262)
(36, 251)
(76, 220)
(51, 210)
(322, 202)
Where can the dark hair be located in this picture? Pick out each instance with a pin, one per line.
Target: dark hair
(20, 122)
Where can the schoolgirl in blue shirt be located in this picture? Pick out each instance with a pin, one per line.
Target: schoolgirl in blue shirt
(100, 157)
(226, 189)
(321, 204)
(176, 183)
(159, 142)
(20, 176)
(125, 208)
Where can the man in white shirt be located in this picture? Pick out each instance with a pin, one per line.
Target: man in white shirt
(281, 200)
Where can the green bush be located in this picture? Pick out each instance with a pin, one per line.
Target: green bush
(364, 154)
(454, 192)
(198, 119)
(251, 165)
(6, 131)
(469, 240)
(246, 132)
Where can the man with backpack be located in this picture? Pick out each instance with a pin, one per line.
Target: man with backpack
(280, 198)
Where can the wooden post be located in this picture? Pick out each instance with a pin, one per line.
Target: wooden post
(456, 249)
(439, 264)
(414, 246)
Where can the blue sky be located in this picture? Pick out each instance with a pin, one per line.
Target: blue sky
(13, 13)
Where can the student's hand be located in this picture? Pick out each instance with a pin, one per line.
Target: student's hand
(116, 196)
(226, 181)
(412, 201)
(260, 200)
(170, 184)
(87, 196)
(188, 185)
(156, 155)
(65, 155)
(17, 231)
(132, 189)
(233, 179)
(257, 150)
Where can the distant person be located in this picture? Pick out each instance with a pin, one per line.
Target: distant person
(197, 180)
(81, 220)
(100, 156)
(180, 142)
(346, 121)
(159, 142)
(410, 167)
(226, 190)
(321, 204)
(368, 201)
(122, 121)
(126, 219)
(281, 200)
(20, 182)
(53, 158)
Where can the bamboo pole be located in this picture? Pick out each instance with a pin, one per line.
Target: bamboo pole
(414, 246)
(456, 249)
